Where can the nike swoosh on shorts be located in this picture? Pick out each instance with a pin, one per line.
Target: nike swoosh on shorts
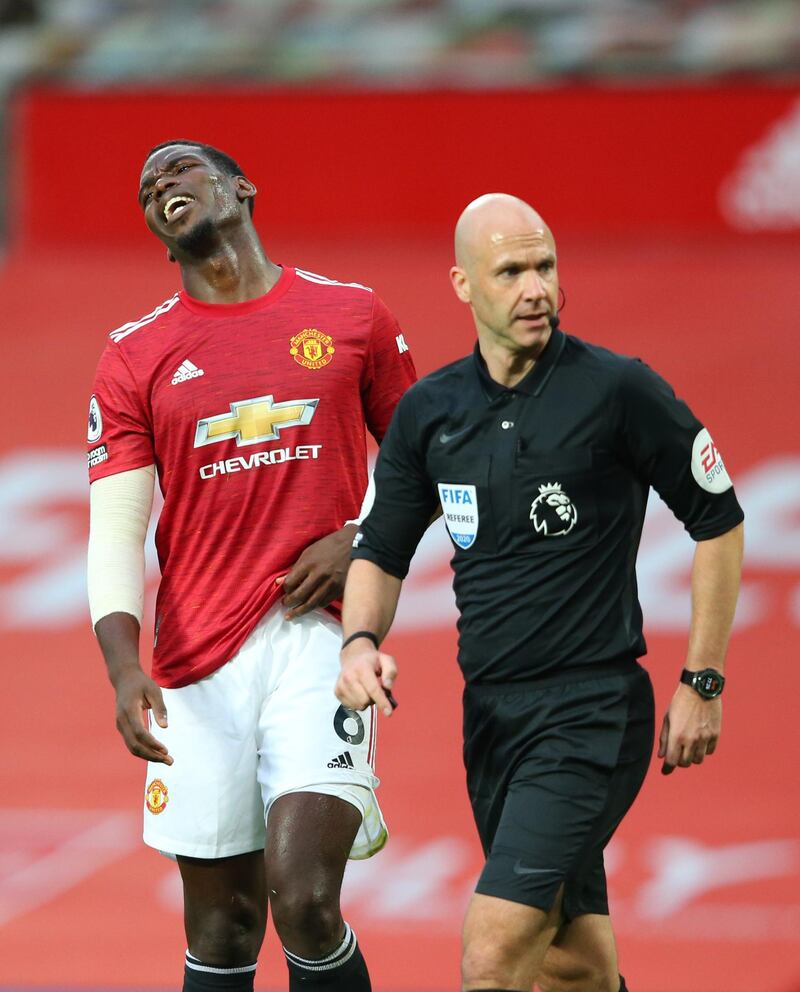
(520, 869)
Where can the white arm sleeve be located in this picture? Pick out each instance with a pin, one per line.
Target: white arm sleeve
(366, 505)
(119, 513)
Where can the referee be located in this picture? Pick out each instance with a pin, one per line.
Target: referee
(540, 450)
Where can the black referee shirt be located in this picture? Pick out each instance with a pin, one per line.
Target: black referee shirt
(543, 487)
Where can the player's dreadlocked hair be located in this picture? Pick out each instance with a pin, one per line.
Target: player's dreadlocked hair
(229, 166)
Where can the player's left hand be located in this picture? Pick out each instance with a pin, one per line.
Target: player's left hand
(317, 577)
(690, 730)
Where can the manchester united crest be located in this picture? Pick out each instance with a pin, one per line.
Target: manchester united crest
(311, 348)
(157, 796)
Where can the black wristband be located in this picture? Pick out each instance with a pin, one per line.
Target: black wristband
(362, 633)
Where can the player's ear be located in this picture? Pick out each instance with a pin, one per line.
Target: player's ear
(460, 281)
(245, 190)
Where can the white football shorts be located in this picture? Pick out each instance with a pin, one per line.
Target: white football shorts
(265, 724)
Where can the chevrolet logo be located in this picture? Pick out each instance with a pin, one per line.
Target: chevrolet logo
(254, 421)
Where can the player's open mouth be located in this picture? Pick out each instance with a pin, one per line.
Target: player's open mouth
(176, 206)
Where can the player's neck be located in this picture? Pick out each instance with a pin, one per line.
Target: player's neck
(232, 273)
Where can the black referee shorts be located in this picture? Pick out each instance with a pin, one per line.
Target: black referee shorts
(552, 768)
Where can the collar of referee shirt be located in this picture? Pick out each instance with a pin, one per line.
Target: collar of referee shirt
(535, 381)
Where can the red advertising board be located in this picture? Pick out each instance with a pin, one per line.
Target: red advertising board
(600, 160)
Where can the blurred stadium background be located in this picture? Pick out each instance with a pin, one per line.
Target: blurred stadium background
(662, 142)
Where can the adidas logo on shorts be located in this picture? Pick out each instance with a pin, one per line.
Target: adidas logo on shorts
(187, 370)
(342, 761)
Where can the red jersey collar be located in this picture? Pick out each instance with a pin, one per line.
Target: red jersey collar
(277, 292)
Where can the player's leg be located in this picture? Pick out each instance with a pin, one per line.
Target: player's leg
(317, 783)
(309, 838)
(225, 915)
(206, 810)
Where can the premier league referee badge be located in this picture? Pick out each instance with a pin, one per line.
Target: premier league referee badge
(553, 512)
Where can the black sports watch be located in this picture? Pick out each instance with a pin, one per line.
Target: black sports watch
(707, 683)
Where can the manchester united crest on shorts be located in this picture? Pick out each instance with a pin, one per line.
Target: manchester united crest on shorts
(552, 512)
(311, 348)
(156, 797)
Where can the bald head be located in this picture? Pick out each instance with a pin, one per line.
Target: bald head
(495, 221)
(506, 271)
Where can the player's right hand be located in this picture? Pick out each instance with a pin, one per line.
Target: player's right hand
(366, 677)
(136, 694)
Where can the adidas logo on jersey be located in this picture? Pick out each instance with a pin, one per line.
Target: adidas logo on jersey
(343, 761)
(187, 370)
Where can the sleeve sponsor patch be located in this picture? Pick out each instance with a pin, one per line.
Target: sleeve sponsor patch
(708, 468)
(97, 456)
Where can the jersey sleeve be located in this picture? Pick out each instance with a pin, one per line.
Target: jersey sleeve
(120, 434)
(404, 497)
(388, 369)
(675, 454)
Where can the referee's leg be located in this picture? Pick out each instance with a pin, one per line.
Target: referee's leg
(505, 943)
(508, 946)
(582, 957)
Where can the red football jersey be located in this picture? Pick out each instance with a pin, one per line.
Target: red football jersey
(254, 415)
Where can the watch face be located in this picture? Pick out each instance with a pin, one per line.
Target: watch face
(709, 683)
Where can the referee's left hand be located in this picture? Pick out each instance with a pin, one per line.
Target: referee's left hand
(367, 677)
(317, 577)
(690, 730)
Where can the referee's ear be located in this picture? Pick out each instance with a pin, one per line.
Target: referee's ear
(460, 281)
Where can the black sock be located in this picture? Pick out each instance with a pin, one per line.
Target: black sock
(199, 977)
(622, 986)
(343, 970)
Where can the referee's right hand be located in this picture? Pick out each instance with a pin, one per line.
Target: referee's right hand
(367, 677)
